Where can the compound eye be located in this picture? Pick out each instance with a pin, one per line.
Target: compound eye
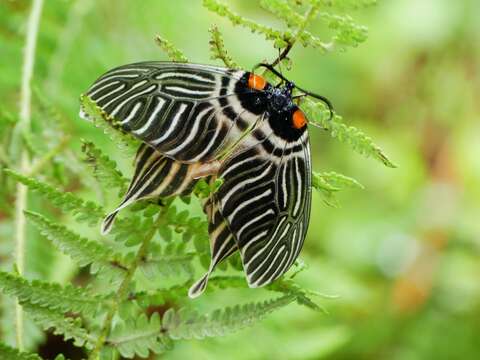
(256, 82)
(298, 119)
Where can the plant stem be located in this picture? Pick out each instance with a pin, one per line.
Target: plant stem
(122, 292)
(24, 124)
(308, 17)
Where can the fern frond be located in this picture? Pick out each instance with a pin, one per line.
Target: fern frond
(337, 180)
(345, 4)
(124, 141)
(161, 296)
(104, 169)
(189, 324)
(68, 327)
(330, 183)
(281, 39)
(347, 32)
(138, 336)
(168, 265)
(302, 296)
(307, 39)
(81, 250)
(204, 189)
(172, 52)
(9, 353)
(192, 229)
(86, 211)
(50, 295)
(285, 286)
(217, 48)
(326, 189)
(284, 11)
(127, 230)
(350, 135)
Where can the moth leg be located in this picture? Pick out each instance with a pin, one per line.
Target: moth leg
(222, 245)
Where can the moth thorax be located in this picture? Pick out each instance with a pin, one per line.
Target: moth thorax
(280, 100)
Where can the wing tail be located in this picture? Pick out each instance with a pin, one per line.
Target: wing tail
(155, 176)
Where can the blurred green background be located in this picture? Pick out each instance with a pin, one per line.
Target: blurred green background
(403, 256)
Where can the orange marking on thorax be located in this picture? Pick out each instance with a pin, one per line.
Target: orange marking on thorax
(298, 119)
(256, 82)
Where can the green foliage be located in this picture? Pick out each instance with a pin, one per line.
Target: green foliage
(104, 168)
(83, 251)
(86, 211)
(346, 33)
(217, 49)
(189, 324)
(172, 52)
(50, 295)
(125, 142)
(139, 336)
(277, 36)
(67, 326)
(350, 135)
(346, 4)
(329, 183)
(9, 353)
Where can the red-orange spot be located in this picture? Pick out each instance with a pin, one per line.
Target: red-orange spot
(256, 82)
(298, 119)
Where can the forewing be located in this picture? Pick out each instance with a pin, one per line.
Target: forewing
(265, 199)
(187, 112)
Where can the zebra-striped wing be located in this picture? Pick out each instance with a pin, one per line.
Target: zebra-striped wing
(155, 176)
(187, 112)
(266, 198)
(262, 208)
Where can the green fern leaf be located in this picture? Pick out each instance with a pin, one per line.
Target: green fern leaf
(345, 4)
(81, 250)
(50, 295)
(172, 52)
(9, 353)
(170, 263)
(347, 32)
(127, 230)
(217, 49)
(124, 141)
(69, 327)
(350, 135)
(86, 211)
(279, 38)
(282, 10)
(162, 296)
(337, 180)
(287, 287)
(302, 296)
(189, 324)
(329, 183)
(104, 168)
(173, 260)
(138, 336)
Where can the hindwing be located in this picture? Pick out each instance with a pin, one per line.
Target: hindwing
(266, 198)
(263, 204)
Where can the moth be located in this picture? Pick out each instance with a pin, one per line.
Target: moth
(197, 121)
